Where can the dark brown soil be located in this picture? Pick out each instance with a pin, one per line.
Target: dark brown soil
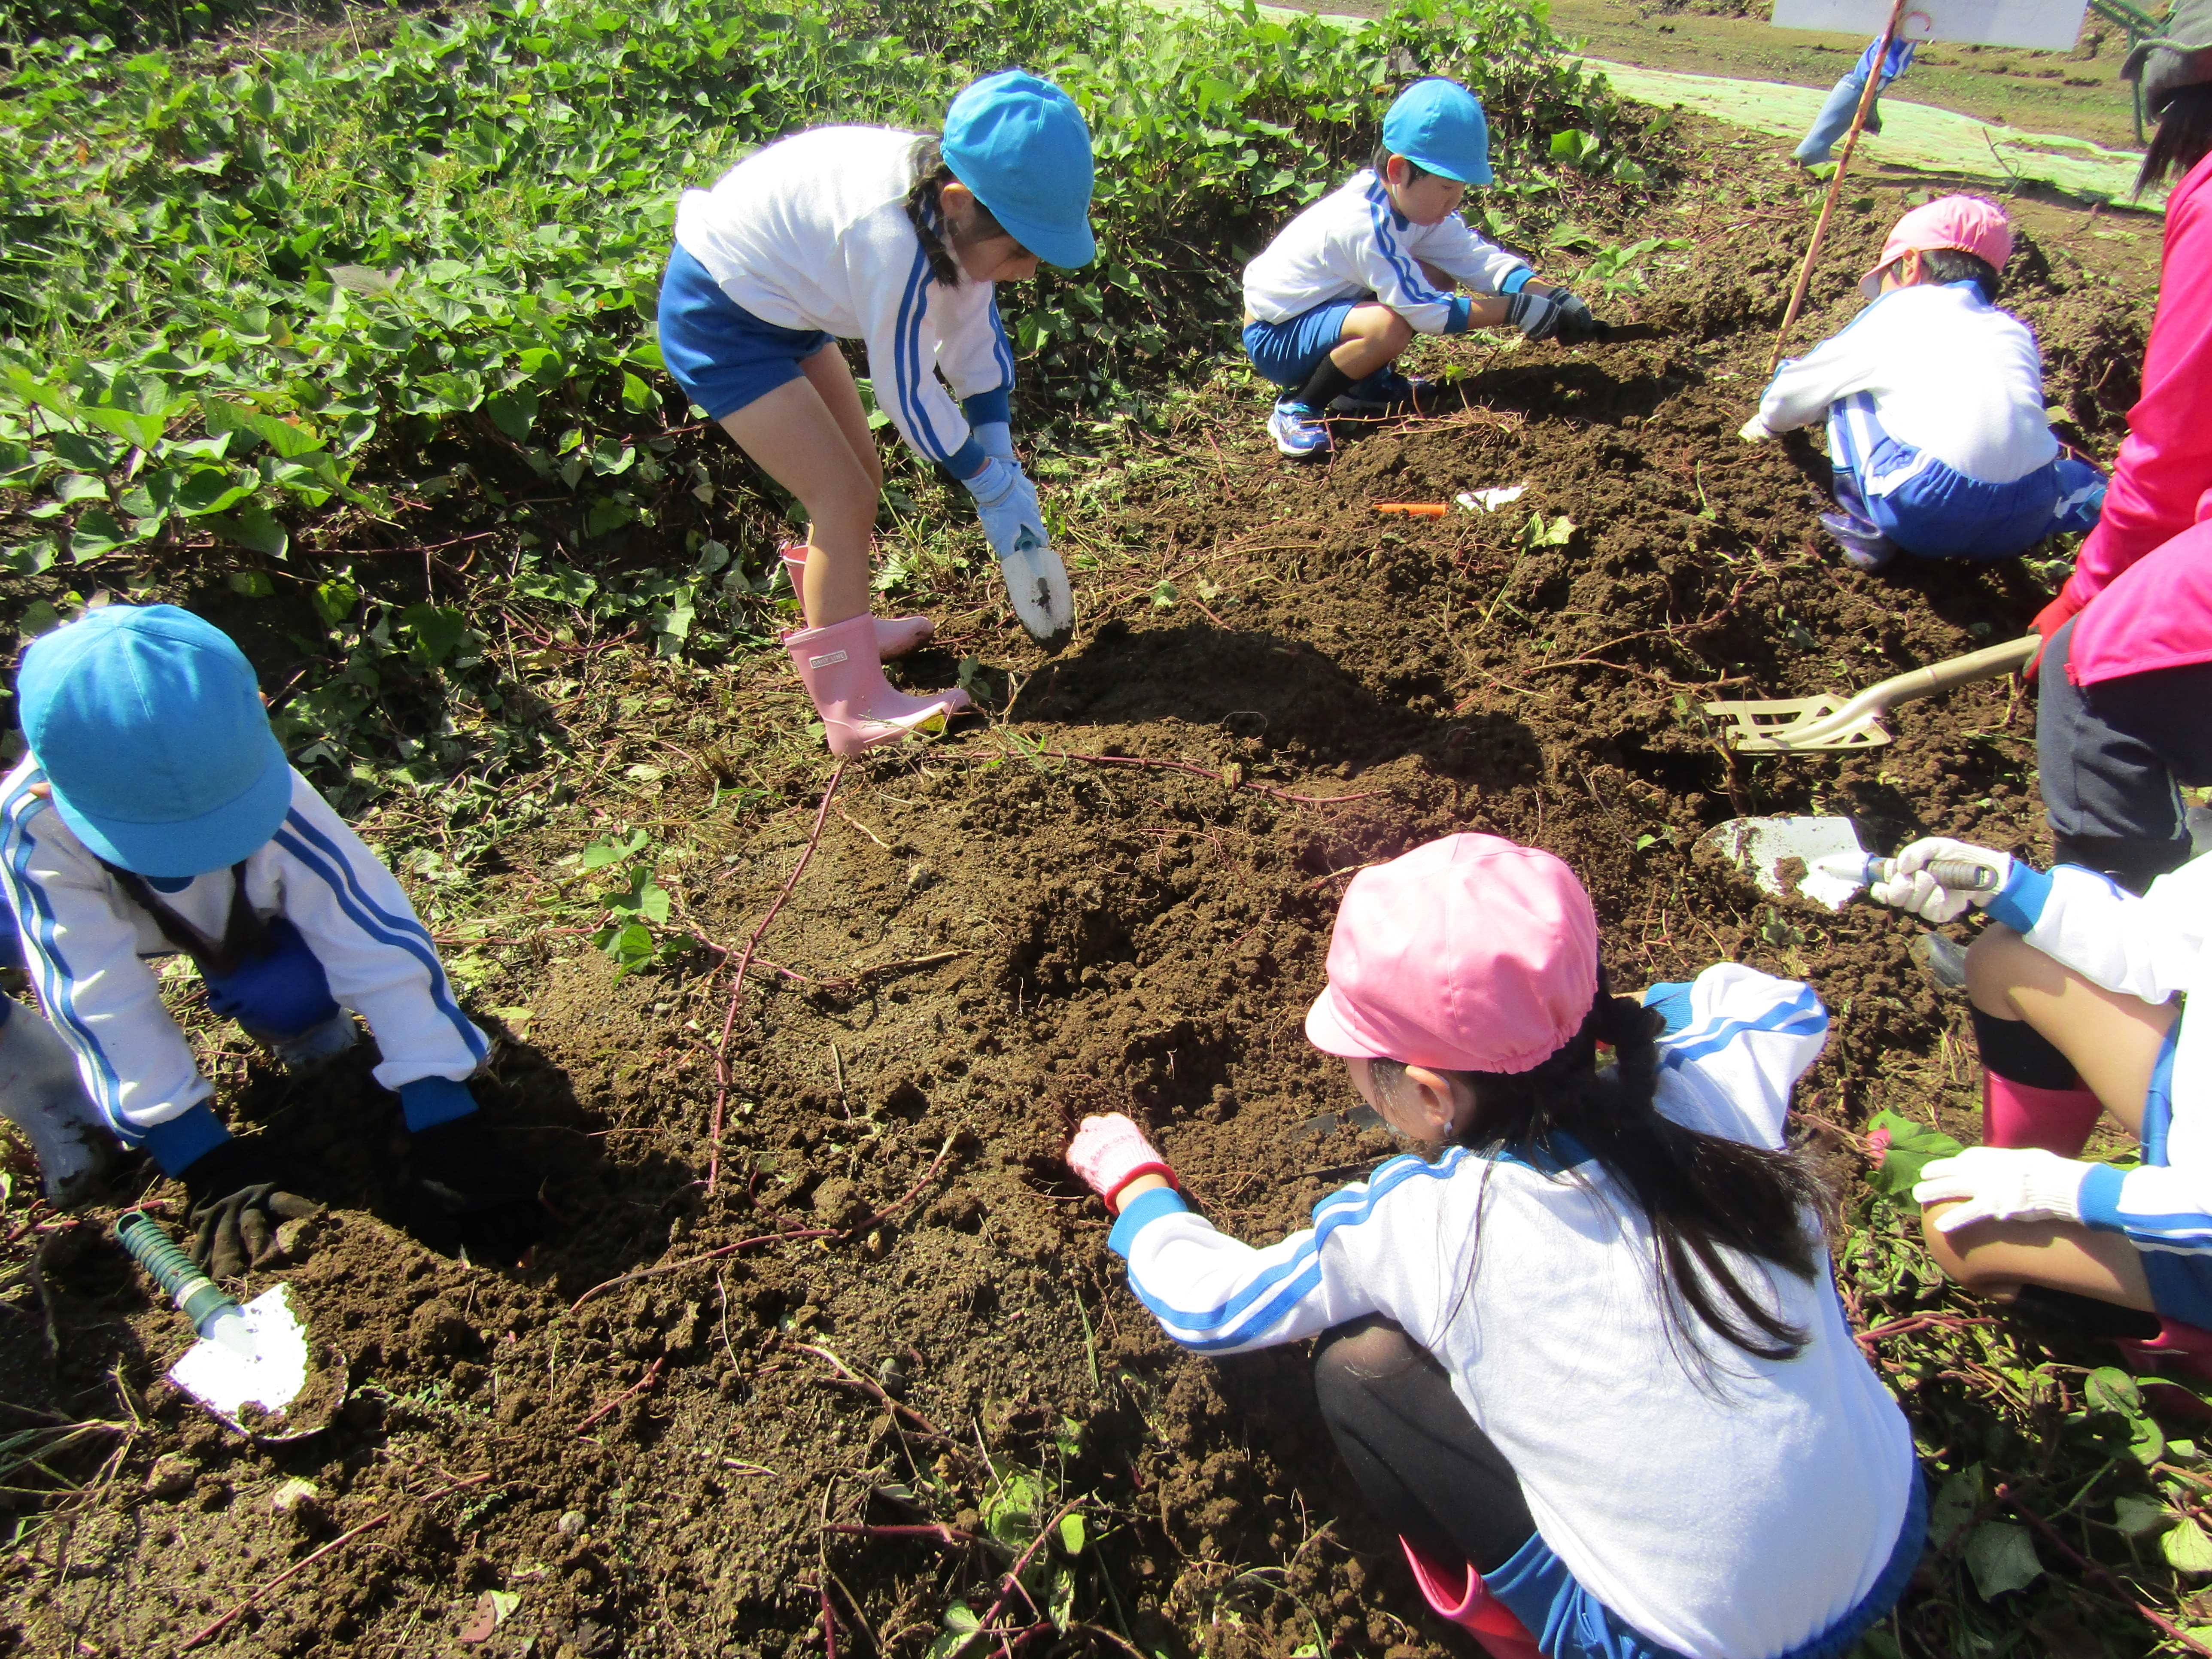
(1008, 930)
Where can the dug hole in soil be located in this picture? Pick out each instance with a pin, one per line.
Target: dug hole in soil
(993, 938)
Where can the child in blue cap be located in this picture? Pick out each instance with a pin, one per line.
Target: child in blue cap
(1341, 291)
(897, 238)
(155, 814)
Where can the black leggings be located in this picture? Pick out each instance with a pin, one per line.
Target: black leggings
(1428, 1473)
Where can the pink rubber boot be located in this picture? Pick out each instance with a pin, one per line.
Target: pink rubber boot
(2018, 1114)
(2176, 1347)
(894, 635)
(845, 677)
(1455, 1593)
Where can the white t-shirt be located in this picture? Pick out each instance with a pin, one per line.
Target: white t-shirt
(1734, 1515)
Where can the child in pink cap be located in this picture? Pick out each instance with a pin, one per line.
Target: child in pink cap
(1586, 1362)
(1934, 402)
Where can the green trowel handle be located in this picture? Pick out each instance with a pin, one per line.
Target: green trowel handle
(192, 1291)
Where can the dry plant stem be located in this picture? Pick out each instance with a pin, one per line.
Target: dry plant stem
(846, 1376)
(2165, 1626)
(208, 1632)
(738, 981)
(1836, 183)
(652, 1374)
(1197, 770)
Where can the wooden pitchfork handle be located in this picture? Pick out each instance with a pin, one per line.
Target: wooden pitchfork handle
(1916, 683)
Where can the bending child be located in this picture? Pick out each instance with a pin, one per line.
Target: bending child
(1587, 1362)
(156, 815)
(2080, 993)
(1934, 402)
(1336, 298)
(896, 238)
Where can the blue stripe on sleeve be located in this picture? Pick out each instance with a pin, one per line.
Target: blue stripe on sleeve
(1139, 1213)
(989, 408)
(2026, 890)
(319, 855)
(57, 981)
(1462, 314)
(1002, 347)
(1408, 273)
(907, 365)
(1801, 1016)
(1288, 1282)
(1517, 281)
(178, 1143)
(1672, 999)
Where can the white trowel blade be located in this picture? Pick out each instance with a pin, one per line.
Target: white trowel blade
(226, 1384)
(1759, 846)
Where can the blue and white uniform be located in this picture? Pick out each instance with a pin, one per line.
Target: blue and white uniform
(1934, 402)
(85, 942)
(2156, 947)
(1747, 1509)
(810, 237)
(1351, 248)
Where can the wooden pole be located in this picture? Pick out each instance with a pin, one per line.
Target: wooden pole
(1836, 183)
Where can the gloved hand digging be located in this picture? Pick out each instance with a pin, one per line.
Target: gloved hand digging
(1109, 1152)
(1036, 582)
(467, 1192)
(1910, 887)
(1576, 323)
(237, 1197)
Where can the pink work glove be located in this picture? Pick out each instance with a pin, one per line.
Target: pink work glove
(1109, 1152)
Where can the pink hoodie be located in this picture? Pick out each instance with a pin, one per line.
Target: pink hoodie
(2149, 571)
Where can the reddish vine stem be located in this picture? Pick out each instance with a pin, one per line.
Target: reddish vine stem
(694, 1261)
(1012, 1581)
(652, 1374)
(2165, 1626)
(738, 984)
(1196, 770)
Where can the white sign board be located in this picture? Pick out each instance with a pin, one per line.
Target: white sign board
(2038, 25)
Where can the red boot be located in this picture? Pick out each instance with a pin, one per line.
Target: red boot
(1455, 1593)
(2176, 1347)
(858, 706)
(894, 635)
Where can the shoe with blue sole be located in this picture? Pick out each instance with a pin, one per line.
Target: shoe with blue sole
(1299, 431)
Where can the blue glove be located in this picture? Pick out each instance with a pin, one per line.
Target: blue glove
(1036, 582)
(1006, 502)
(997, 438)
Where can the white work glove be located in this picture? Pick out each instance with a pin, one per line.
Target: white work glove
(997, 439)
(1036, 582)
(2002, 1183)
(1755, 431)
(1910, 888)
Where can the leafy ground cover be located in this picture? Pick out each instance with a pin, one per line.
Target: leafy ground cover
(827, 1351)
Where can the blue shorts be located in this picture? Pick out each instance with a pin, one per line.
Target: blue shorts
(1288, 353)
(721, 355)
(1933, 509)
(2180, 1281)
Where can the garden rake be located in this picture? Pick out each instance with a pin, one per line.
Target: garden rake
(1792, 725)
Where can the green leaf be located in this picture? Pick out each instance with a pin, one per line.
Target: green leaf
(73, 487)
(2186, 1548)
(95, 532)
(82, 450)
(1072, 1534)
(2109, 1389)
(637, 397)
(2001, 1556)
(1956, 1500)
(142, 431)
(253, 584)
(254, 528)
(631, 947)
(438, 630)
(2136, 1515)
(334, 600)
(652, 903)
(210, 489)
(514, 412)
(1912, 1146)
(1011, 1514)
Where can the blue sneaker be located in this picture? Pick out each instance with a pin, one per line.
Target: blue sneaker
(1299, 431)
(1386, 391)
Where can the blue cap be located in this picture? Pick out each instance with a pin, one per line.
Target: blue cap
(1019, 142)
(149, 724)
(1437, 125)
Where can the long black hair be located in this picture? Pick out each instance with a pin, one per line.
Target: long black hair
(2182, 138)
(1703, 1194)
(926, 211)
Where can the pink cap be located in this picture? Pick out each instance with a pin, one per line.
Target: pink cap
(1470, 954)
(1968, 223)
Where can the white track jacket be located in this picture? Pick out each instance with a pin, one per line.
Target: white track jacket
(1352, 243)
(1730, 1516)
(2155, 947)
(86, 941)
(813, 232)
(1950, 374)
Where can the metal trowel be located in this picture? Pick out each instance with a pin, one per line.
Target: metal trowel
(252, 1367)
(1820, 858)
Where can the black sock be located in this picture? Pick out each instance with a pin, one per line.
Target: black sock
(2013, 1048)
(1324, 386)
(2082, 1315)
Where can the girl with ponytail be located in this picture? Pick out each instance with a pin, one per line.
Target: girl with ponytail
(1587, 1361)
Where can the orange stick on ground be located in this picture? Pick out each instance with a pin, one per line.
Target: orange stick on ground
(1414, 510)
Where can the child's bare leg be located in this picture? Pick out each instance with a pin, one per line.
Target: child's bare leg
(831, 376)
(1372, 339)
(1996, 1258)
(2113, 1040)
(796, 438)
